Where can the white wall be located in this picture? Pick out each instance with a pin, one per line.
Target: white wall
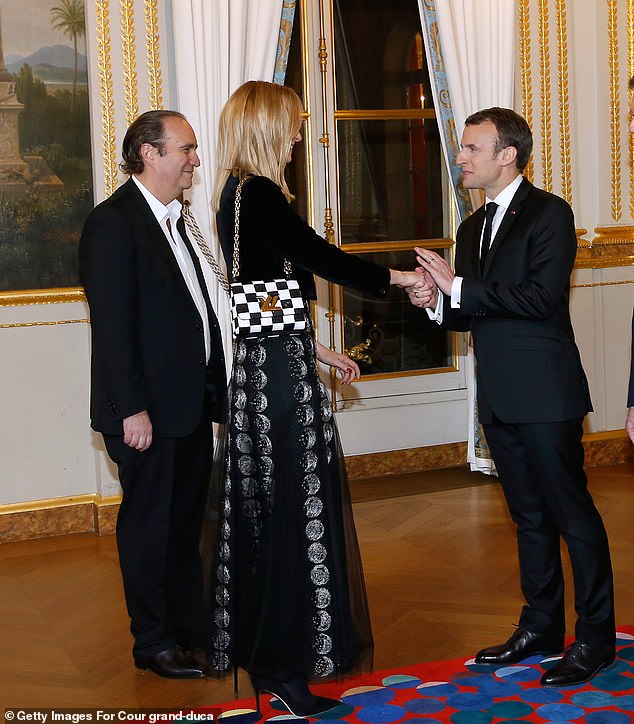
(47, 449)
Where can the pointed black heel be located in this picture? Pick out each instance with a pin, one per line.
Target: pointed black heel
(295, 695)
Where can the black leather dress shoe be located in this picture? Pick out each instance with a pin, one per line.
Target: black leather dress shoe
(521, 645)
(579, 664)
(171, 663)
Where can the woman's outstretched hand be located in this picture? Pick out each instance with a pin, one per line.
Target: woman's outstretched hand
(348, 369)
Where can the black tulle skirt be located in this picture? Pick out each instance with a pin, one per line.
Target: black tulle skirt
(286, 589)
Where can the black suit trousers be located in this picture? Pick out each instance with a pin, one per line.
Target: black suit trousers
(541, 471)
(158, 532)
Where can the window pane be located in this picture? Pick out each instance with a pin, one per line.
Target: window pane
(379, 58)
(389, 335)
(389, 180)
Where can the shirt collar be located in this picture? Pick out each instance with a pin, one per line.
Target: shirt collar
(505, 196)
(160, 211)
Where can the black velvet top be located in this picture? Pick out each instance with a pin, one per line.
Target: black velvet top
(270, 231)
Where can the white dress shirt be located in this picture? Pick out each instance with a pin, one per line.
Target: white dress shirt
(503, 200)
(183, 258)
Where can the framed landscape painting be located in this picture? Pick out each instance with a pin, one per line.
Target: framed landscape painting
(45, 158)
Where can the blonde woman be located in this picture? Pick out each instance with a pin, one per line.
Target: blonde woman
(289, 596)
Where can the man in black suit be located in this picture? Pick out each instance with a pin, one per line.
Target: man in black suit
(157, 382)
(514, 257)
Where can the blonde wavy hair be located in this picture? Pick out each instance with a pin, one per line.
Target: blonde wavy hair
(257, 125)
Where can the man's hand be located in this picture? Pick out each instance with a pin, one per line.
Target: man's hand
(629, 423)
(137, 431)
(348, 369)
(436, 266)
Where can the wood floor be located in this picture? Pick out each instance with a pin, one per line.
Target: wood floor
(442, 580)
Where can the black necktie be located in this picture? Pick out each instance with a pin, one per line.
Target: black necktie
(489, 213)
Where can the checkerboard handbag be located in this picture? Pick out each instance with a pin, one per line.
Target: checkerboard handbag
(263, 308)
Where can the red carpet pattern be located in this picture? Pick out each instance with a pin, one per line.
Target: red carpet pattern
(463, 692)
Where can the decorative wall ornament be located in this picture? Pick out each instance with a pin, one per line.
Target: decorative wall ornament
(14, 325)
(128, 51)
(545, 97)
(615, 108)
(152, 48)
(564, 110)
(526, 76)
(106, 96)
(284, 44)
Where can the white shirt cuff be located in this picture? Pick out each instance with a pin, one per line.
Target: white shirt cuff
(456, 292)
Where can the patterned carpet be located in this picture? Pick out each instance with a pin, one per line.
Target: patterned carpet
(462, 692)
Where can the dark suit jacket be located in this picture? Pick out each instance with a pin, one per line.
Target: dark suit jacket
(630, 393)
(528, 365)
(147, 335)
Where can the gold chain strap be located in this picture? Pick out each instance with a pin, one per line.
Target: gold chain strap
(236, 237)
(192, 225)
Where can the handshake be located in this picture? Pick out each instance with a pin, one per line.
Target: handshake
(422, 284)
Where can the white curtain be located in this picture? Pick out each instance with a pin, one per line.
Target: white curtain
(478, 41)
(219, 44)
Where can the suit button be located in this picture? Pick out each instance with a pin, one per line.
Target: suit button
(199, 326)
(202, 363)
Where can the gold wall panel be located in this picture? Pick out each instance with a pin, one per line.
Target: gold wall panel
(615, 108)
(106, 96)
(128, 50)
(152, 48)
(564, 109)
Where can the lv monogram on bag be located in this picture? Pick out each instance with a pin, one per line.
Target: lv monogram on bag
(261, 308)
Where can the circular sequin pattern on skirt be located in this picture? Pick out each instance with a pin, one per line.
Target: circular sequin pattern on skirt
(258, 355)
(297, 368)
(314, 530)
(293, 347)
(302, 391)
(244, 442)
(322, 598)
(259, 403)
(311, 484)
(258, 379)
(305, 415)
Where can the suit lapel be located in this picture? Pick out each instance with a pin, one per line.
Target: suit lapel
(468, 257)
(158, 238)
(511, 215)
(180, 225)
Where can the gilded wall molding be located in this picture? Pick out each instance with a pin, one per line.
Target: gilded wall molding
(612, 246)
(526, 72)
(615, 109)
(152, 49)
(544, 66)
(106, 95)
(17, 325)
(42, 296)
(128, 52)
(613, 235)
(564, 109)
